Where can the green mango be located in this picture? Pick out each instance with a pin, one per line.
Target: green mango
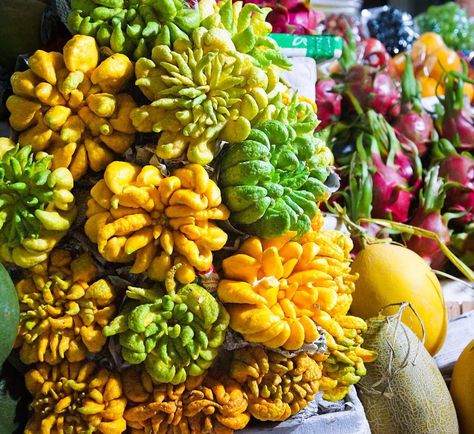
(10, 314)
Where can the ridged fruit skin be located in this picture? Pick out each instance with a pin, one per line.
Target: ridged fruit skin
(9, 314)
(393, 274)
(417, 400)
(462, 388)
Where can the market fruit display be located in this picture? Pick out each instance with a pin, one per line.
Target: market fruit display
(272, 181)
(175, 334)
(403, 390)
(388, 139)
(63, 309)
(133, 27)
(393, 274)
(71, 105)
(136, 214)
(166, 187)
(201, 404)
(80, 396)
(277, 387)
(10, 312)
(462, 382)
(37, 206)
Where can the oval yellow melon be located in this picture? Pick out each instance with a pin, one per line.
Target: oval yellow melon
(462, 388)
(392, 274)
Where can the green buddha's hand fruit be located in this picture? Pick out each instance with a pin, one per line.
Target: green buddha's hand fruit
(272, 182)
(174, 335)
(36, 205)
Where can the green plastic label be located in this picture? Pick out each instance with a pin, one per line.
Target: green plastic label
(318, 47)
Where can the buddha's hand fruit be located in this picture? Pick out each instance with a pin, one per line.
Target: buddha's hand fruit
(201, 404)
(277, 387)
(70, 105)
(136, 214)
(63, 309)
(272, 182)
(36, 205)
(79, 396)
(175, 335)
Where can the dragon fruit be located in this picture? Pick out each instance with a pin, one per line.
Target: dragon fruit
(457, 122)
(291, 16)
(428, 216)
(328, 102)
(460, 128)
(374, 53)
(367, 83)
(406, 160)
(459, 169)
(392, 195)
(373, 90)
(414, 126)
(414, 129)
(358, 196)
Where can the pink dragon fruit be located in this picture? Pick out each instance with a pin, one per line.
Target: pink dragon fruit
(406, 160)
(392, 195)
(328, 102)
(374, 53)
(460, 128)
(373, 90)
(358, 197)
(457, 122)
(414, 127)
(428, 216)
(459, 168)
(291, 16)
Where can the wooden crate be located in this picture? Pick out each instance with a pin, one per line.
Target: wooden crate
(456, 309)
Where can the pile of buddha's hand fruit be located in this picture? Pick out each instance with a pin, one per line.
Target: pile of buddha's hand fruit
(225, 185)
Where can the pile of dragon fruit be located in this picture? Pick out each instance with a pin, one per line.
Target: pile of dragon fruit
(400, 157)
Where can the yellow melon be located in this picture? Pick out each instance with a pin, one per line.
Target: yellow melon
(392, 274)
(462, 389)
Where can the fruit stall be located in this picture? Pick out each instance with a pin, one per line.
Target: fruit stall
(236, 216)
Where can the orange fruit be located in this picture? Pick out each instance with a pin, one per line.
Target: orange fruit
(398, 62)
(428, 86)
(432, 42)
(418, 54)
(469, 91)
(440, 60)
